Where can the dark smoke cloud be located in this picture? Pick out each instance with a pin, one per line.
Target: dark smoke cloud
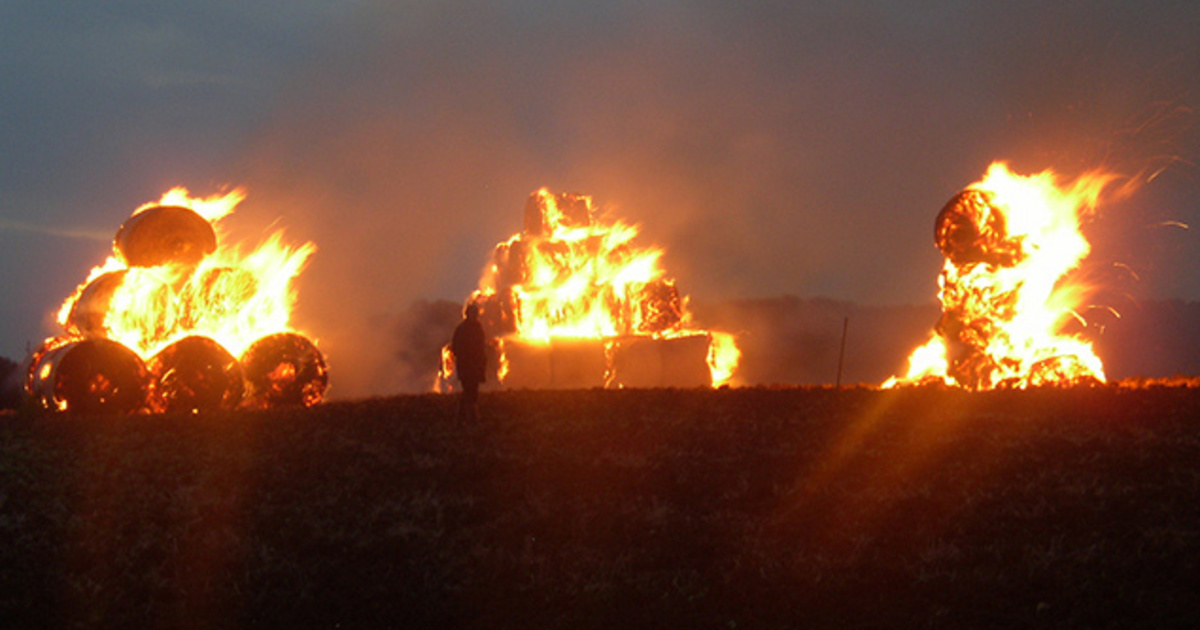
(771, 148)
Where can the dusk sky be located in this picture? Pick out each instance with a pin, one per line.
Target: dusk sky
(771, 148)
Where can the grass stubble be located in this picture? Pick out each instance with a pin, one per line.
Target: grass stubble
(743, 507)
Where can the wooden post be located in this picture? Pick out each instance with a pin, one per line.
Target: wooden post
(842, 354)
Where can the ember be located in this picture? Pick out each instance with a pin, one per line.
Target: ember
(573, 303)
(1010, 242)
(158, 325)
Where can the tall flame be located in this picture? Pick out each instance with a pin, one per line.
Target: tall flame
(571, 275)
(1010, 243)
(230, 296)
(581, 279)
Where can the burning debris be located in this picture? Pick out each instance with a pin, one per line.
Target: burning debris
(1009, 242)
(571, 303)
(159, 325)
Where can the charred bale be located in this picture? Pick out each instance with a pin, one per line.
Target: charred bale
(509, 259)
(559, 364)
(578, 363)
(1065, 370)
(970, 229)
(195, 374)
(544, 212)
(636, 362)
(527, 364)
(90, 376)
(88, 314)
(28, 367)
(659, 307)
(163, 235)
(655, 362)
(575, 210)
(496, 313)
(284, 369)
(685, 361)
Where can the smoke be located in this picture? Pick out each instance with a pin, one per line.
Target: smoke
(419, 334)
(72, 233)
(793, 341)
(795, 149)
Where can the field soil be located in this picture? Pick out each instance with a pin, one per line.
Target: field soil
(729, 508)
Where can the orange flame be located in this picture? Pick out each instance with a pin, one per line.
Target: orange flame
(231, 297)
(1010, 243)
(213, 208)
(571, 275)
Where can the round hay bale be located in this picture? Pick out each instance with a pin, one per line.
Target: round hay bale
(90, 310)
(284, 369)
(90, 376)
(971, 229)
(165, 235)
(195, 374)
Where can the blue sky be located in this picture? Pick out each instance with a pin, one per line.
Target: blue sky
(771, 147)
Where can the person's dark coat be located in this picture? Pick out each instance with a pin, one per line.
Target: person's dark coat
(470, 351)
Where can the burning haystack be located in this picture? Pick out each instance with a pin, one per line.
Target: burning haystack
(572, 302)
(1007, 295)
(174, 321)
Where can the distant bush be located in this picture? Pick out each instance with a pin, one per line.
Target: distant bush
(10, 385)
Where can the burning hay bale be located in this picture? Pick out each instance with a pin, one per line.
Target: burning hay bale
(527, 365)
(569, 211)
(557, 364)
(182, 306)
(637, 362)
(672, 362)
(972, 229)
(574, 303)
(684, 359)
(1010, 243)
(90, 376)
(284, 369)
(658, 308)
(195, 373)
(165, 235)
(89, 312)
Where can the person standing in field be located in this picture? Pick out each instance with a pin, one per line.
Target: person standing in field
(469, 347)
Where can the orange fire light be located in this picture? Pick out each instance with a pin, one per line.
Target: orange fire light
(1010, 243)
(570, 276)
(231, 296)
(186, 305)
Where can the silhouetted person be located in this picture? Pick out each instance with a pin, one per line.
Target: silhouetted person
(469, 347)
